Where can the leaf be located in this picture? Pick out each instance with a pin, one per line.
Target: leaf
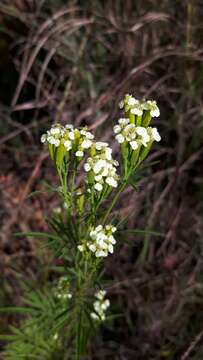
(35, 193)
(17, 310)
(140, 232)
(37, 234)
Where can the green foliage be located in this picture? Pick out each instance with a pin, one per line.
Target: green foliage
(65, 313)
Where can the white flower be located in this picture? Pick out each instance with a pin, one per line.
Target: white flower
(57, 142)
(132, 101)
(108, 152)
(87, 167)
(98, 187)
(98, 228)
(57, 210)
(100, 294)
(136, 111)
(117, 129)
(43, 138)
(120, 138)
(155, 112)
(68, 145)
(89, 135)
(123, 121)
(71, 135)
(98, 177)
(111, 181)
(86, 144)
(55, 337)
(100, 306)
(121, 104)
(69, 126)
(99, 165)
(103, 166)
(92, 247)
(79, 153)
(55, 130)
(153, 108)
(62, 291)
(111, 239)
(142, 132)
(102, 240)
(134, 145)
(81, 248)
(155, 134)
(100, 145)
(101, 253)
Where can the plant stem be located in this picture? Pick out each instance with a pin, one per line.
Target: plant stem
(115, 199)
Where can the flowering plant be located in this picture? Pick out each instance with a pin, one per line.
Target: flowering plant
(83, 232)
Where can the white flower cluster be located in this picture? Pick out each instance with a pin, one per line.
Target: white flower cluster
(135, 135)
(62, 290)
(69, 137)
(137, 107)
(100, 306)
(102, 241)
(102, 167)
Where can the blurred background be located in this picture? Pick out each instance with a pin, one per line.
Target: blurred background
(72, 62)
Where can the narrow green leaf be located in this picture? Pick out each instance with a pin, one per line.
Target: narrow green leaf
(140, 232)
(37, 234)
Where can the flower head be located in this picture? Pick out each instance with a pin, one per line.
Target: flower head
(100, 306)
(132, 134)
(137, 107)
(101, 167)
(62, 291)
(152, 107)
(68, 139)
(153, 134)
(101, 241)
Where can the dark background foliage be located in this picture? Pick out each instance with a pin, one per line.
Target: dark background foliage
(72, 61)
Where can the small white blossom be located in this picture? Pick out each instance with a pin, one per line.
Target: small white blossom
(62, 291)
(68, 145)
(123, 121)
(120, 138)
(81, 248)
(111, 181)
(71, 135)
(89, 135)
(57, 210)
(144, 137)
(100, 306)
(121, 104)
(102, 240)
(43, 138)
(102, 167)
(154, 134)
(153, 108)
(137, 110)
(56, 336)
(79, 153)
(116, 129)
(132, 101)
(134, 145)
(87, 167)
(100, 145)
(98, 187)
(69, 126)
(55, 130)
(86, 144)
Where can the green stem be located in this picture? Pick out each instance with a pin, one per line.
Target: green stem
(115, 199)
